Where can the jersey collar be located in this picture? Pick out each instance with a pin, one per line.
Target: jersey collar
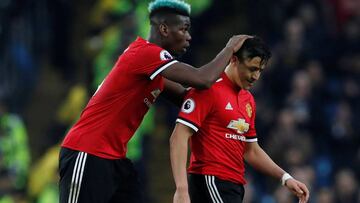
(229, 83)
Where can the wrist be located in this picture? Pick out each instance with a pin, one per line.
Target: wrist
(229, 49)
(284, 178)
(182, 188)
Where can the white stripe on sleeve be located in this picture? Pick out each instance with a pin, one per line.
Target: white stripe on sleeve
(152, 76)
(251, 139)
(190, 125)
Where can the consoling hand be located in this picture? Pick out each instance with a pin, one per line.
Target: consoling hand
(299, 189)
(237, 41)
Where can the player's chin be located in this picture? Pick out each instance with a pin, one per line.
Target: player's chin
(180, 52)
(247, 87)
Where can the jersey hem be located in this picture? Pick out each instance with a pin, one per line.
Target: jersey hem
(240, 182)
(104, 156)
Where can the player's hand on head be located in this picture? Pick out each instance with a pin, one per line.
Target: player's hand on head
(181, 196)
(237, 41)
(299, 189)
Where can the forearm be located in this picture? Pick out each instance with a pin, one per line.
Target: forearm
(211, 71)
(259, 160)
(178, 157)
(200, 78)
(205, 76)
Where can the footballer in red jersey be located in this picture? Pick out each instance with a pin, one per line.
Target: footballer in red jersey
(121, 101)
(93, 164)
(220, 123)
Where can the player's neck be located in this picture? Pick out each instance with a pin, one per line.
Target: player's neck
(154, 38)
(231, 74)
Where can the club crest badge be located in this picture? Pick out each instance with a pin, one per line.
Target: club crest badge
(248, 110)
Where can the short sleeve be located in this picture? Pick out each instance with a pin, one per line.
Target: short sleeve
(152, 60)
(196, 107)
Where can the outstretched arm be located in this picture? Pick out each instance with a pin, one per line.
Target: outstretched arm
(258, 159)
(178, 156)
(206, 75)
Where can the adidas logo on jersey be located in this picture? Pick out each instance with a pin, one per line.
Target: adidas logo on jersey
(228, 106)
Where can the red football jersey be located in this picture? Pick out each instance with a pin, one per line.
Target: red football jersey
(223, 120)
(117, 108)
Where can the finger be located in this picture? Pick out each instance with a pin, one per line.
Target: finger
(303, 187)
(241, 37)
(306, 191)
(244, 37)
(306, 196)
(298, 191)
(302, 199)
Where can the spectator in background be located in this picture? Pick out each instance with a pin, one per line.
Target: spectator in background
(14, 155)
(346, 186)
(299, 99)
(281, 195)
(287, 135)
(325, 195)
(43, 178)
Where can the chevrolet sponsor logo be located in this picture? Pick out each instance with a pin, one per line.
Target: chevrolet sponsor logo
(239, 125)
(235, 137)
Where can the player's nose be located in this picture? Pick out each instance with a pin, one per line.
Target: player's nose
(255, 76)
(188, 37)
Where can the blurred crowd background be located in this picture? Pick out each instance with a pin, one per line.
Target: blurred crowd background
(54, 53)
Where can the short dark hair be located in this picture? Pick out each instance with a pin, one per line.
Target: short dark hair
(253, 47)
(167, 11)
(165, 15)
(169, 7)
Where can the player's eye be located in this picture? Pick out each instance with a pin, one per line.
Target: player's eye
(253, 69)
(185, 28)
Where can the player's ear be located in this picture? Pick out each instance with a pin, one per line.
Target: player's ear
(163, 29)
(234, 59)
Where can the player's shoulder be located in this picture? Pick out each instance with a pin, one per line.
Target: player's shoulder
(219, 83)
(249, 95)
(193, 91)
(220, 87)
(148, 50)
(143, 44)
(215, 90)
